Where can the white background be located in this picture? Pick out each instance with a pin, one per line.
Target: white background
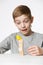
(7, 26)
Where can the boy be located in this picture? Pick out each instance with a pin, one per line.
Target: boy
(32, 41)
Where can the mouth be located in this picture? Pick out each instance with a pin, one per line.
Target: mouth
(24, 29)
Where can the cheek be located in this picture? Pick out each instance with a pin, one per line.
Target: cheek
(18, 26)
(28, 25)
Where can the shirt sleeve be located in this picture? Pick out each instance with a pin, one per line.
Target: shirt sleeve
(42, 44)
(5, 45)
(42, 41)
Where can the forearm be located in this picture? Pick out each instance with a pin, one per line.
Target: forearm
(5, 45)
(2, 50)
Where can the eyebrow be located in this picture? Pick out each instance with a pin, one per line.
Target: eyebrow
(24, 19)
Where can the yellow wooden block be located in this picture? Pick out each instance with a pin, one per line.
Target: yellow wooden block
(20, 40)
(21, 53)
(18, 37)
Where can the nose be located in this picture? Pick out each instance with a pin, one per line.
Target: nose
(23, 25)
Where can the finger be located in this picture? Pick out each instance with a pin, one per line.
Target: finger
(34, 53)
(31, 47)
(31, 50)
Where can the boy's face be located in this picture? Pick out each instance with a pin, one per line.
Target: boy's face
(24, 24)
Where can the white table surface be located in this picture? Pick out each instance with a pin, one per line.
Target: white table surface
(15, 59)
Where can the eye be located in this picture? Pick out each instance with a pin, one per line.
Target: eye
(26, 21)
(18, 22)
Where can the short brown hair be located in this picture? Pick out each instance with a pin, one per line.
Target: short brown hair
(20, 10)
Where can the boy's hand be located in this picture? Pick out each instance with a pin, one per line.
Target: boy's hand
(35, 51)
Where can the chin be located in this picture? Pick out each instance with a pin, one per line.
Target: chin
(24, 33)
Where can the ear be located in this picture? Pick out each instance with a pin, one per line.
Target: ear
(32, 19)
